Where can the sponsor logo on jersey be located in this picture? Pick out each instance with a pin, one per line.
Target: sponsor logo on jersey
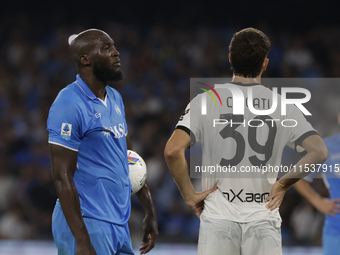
(118, 131)
(66, 130)
(248, 197)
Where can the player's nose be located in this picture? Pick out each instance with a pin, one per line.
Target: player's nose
(115, 52)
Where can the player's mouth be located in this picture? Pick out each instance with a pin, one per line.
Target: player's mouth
(117, 63)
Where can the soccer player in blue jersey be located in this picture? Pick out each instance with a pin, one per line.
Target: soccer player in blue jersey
(88, 145)
(330, 172)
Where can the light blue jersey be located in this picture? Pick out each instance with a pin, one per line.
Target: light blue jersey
(97, 130)
(331, 175)
(333, 181)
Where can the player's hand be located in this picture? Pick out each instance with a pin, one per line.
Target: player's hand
(276, 196)
(196, 202)
(85, 248)
(328, 206)
(150, 229)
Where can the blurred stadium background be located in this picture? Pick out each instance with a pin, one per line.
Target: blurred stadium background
(161, 46)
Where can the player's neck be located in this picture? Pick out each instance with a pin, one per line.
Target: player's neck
(244, 80)
(96, 86)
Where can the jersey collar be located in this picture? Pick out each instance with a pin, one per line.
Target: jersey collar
(84, 88)
(245, 84)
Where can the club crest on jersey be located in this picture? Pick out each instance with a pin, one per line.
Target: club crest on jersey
(66, 130)
(118, 110)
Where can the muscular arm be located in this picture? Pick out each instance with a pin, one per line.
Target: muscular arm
(150, 227)
(175, 157)
(317, 153)
(64, 162)
(322, 204)
(306, 191)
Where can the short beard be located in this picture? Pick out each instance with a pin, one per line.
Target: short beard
(104, 74)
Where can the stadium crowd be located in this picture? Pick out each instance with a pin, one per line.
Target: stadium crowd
(158, 62)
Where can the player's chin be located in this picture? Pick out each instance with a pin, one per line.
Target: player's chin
(117, 75)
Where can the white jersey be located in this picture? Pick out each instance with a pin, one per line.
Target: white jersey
(239, 143)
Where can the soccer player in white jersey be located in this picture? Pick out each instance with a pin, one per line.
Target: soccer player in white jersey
(240, 215)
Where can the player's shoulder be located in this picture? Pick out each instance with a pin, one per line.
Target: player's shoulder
(266, 90)
(195, 102)
(113, 92)
(68, 98)
(68, 94)
(234, 87)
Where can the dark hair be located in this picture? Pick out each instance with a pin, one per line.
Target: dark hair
(248, 49)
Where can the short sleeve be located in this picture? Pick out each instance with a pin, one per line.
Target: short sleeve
(191, 121)
(64, 125)
(301, 131)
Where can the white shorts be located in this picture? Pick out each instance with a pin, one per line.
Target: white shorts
(224, 237)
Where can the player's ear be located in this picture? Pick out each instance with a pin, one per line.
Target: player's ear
(265, 64)
(229, 57)
(84, 60)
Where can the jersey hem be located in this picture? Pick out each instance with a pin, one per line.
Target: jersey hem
(304, 136)
(105, 220)
(62, 145)
(245, 84)
(264, 217)
(102, 219)
(189, 132)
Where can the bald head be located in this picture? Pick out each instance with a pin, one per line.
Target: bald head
(85, 43)
(95, 55)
